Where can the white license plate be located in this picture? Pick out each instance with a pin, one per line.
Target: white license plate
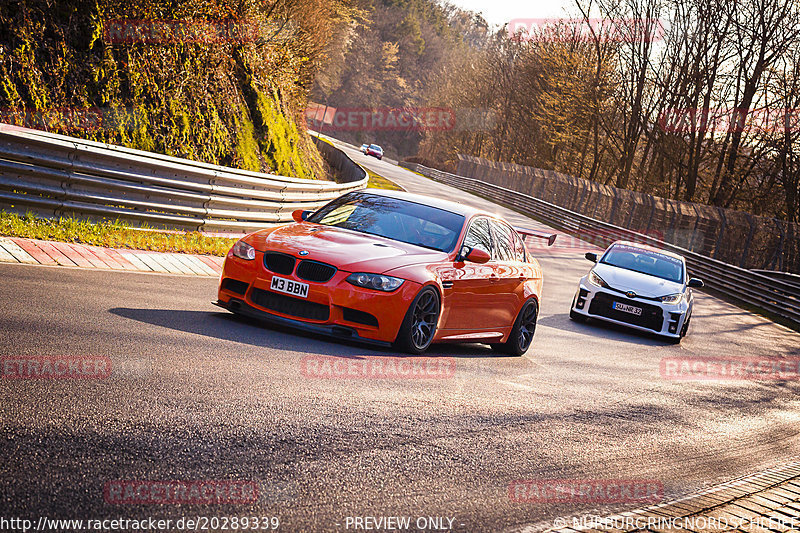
(632, 309)
(288, 286)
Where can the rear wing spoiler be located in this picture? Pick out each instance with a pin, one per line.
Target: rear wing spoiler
(525, 232)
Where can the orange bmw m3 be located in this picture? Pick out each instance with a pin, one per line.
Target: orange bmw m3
(390, 268)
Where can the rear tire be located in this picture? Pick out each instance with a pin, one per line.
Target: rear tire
(521, 336)
(419, 325)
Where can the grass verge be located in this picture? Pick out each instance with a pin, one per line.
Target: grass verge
(376, 181)
(111, 234)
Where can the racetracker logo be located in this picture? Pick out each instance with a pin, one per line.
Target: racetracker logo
(587, 490)
(56, 367)
(329, 367)
(127, 492)
(622, 30)
(383, 118)
(722, 369)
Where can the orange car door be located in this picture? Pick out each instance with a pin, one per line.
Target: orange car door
(469, 287)
(508, 276)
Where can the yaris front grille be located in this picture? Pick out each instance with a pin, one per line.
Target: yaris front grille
(652, 316)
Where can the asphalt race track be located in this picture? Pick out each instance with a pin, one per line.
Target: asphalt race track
(195, 394)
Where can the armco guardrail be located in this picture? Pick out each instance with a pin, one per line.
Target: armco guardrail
(773, 295)
(55, 174)
(734, 237)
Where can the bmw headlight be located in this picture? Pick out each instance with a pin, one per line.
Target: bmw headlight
(243, 250)
(379, 282)
(671, 298)
(594, 279)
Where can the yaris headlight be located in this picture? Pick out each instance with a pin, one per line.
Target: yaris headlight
(378, 282)
(594, 279)
(672, 298)
(243, 250)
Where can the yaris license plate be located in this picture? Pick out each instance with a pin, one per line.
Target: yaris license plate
(288, 286)
(632, 309)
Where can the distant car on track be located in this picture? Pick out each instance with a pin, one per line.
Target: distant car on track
(391, 268)
(640, 287)
(364, 148)
(374, 150)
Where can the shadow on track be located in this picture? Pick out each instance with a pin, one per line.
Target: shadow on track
(235, 328)
(600, 329)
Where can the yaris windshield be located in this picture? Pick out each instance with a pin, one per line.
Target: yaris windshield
(645, 262)
(392, 218)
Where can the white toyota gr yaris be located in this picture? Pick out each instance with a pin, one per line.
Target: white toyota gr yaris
(640, 287)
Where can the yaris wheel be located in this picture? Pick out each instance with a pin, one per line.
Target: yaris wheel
(574, 315)
(577, 317)
(684, 331)
(419, 325)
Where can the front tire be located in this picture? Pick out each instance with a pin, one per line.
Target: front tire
(419, 325)
(521, 336)
(684, 331)
(577, 317)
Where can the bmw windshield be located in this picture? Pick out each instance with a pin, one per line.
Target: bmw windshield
(392, 218)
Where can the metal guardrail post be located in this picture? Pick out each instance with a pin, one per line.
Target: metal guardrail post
(748, 241)
(721, 233)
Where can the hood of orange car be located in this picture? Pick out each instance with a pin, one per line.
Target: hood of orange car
(347, 250)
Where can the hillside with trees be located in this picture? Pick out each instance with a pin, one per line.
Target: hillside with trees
(220, 81)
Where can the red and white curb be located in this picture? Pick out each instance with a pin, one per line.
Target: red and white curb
(36, 252)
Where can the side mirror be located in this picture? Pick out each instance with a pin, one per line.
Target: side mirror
(591, 256)
(696, 282)
(299, 215)
(477, 256)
